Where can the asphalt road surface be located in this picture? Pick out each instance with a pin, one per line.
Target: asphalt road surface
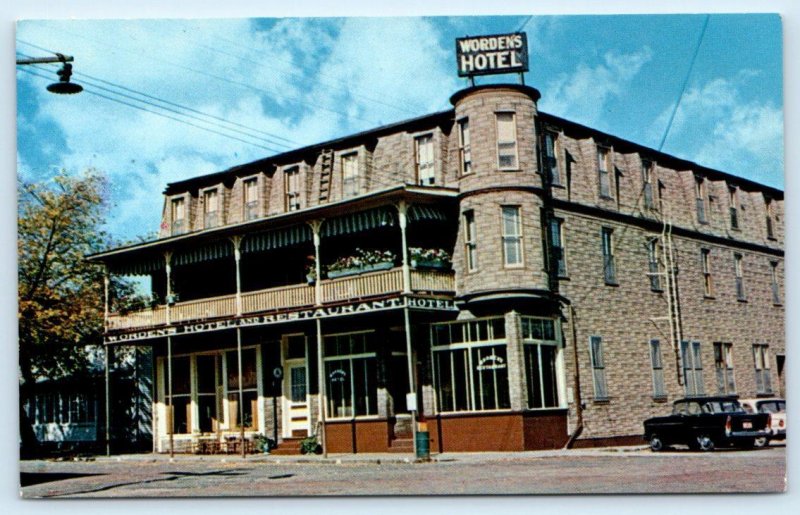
(556, 472)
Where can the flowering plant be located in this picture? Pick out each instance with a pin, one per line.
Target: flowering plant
(420, 254)
(361, 258)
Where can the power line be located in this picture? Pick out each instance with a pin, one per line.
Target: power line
(27, 70)
(685, 82)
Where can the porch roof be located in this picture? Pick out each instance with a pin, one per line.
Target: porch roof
(362, 213)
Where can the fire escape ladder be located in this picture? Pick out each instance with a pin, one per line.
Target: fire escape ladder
(325, 174)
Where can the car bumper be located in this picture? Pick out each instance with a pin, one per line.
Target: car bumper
(779, 434)
(741, 435)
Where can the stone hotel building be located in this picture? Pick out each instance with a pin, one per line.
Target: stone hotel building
(501, 278)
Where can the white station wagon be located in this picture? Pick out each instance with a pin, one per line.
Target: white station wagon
(775, 407)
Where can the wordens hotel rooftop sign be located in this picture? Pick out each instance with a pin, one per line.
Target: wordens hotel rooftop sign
(486, 55)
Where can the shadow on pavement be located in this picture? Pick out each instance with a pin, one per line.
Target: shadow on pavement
(35, 478)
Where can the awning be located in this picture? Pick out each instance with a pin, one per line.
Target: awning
(139, 267)
(277, 238)
(206, 252)
(416, 213)
(358, 222)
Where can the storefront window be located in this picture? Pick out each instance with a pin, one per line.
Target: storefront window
(181, 396)
(470, 365)
(351, 375)
(249, 389)
(541, 362)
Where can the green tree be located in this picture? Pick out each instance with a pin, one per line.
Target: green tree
(60, 295)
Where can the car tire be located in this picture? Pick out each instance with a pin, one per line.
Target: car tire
(705, 443)
(760, 442)
(656, 444)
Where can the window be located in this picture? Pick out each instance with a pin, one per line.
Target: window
(598, 368)
(178, 216)
(291, 187)
(351, 374)
(609, 268)
(249, 389)
(654, 264)
(470, 244)
(770, 223)
(647, 181)
(181, 397)
(464, 152)
(733, 201)
(61, 408)
(541, 362)
(550, 158)
(761, 359)
(737, 268)
(350, 175)
(604, 180)
(659, 389)
(700, 199)
(558, 256)
(209, 380)
(723, 366)
(426, 174)
(251, 199)
(506, 141)
(512, 236)
(708, 285)
(776, 293)
(470, 365)
(692, 368)
(210, 209)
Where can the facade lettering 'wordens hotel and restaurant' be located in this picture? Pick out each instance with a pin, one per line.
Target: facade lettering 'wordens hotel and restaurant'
(531, 280)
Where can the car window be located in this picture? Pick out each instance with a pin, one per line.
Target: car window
(747, 408)
(679, 408)
(694, 408)
(771, 407)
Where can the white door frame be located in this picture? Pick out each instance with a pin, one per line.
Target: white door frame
(289, 407)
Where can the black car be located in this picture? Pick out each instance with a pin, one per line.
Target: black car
(705, 422)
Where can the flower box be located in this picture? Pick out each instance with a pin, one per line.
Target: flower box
(343, 272)
(434, 264)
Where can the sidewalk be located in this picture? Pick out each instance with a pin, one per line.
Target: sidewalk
(367, 458)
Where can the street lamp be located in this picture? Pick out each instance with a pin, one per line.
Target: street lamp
(63, 86)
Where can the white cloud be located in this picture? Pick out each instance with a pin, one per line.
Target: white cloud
(582, 94)
(715, 127)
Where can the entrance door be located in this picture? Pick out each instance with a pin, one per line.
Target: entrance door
(296, 419)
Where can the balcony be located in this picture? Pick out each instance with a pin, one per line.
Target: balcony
(296, 296)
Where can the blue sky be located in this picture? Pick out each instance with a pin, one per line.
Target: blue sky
(300, 81)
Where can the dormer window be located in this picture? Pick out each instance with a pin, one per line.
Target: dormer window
(210, 208)
(178, 207)
(733, 197)
(603, 175)
(770, 216)
(426, 170)
(550, 158)
(291, 185)
(350, 175)
(647, 188)
(700, 199)
(251, 198)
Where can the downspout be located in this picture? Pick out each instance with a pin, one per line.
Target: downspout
(576, 382)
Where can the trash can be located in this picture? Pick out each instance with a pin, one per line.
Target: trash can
(423, 445)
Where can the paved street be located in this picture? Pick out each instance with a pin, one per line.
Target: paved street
(620, 470)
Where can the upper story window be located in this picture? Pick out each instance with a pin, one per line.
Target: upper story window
(556, 229)
(464, 150)
(506, 141)
(733, 201)
(426, 170)
(603, 171)
(470, 243)
(551, 158)
(737, 268)
(654, 264)
(701, 199)
(291, 188)
(211, 216)
(776, 292)
(251, 198)
(512, 236)
(770, 216)
(647, 188)
(178, 207)
(609, 267)
(350, 175)
(723, 366)
(705, 260)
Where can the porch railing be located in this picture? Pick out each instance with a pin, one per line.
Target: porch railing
(360, 286)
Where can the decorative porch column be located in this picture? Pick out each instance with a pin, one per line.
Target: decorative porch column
(107, 359)
(106, 282)
(402, 212)
(237, 257)
(316, 226)
(168, 269)
(170, 414)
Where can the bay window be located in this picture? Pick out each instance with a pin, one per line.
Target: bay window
(512, 236)
(506, 141)
(470, 365)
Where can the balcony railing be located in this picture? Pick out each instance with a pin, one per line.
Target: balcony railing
(361, 286)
